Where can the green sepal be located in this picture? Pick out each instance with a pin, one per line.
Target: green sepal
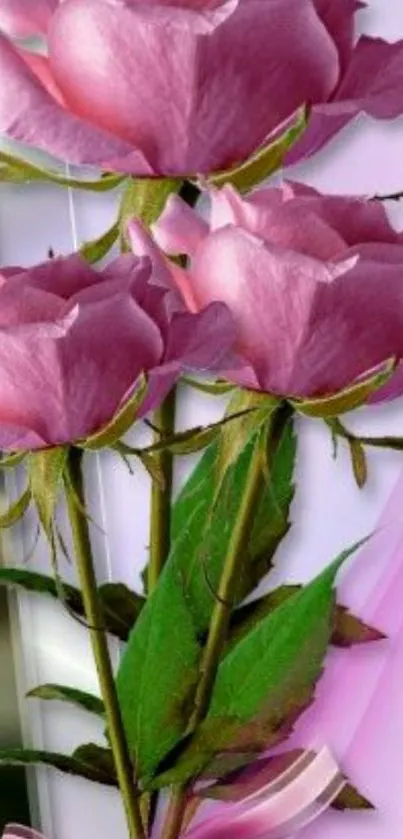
(16, 510)
(46, 470)
(264, 162)
(145, 199)
(96, 249)
(11, 461)
(16, 170)
(355, 396)
(120, 423)
(73, 696)
(217, 388)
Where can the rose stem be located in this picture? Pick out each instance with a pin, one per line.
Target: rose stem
(161, 493)
(217, 634)
(95, 618)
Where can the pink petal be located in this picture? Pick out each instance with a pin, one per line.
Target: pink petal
(356, 220)
(29, 114)
(339, 21)
(63, 276)
(179, 229)
(194, 91)
(270, 215)
(203, 341)
(373, 83)
(307, 327)
(23, 18)
(170, 274)
(64, 388)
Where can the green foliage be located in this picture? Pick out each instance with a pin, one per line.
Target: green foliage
(89, 761)
(73, 696)
(266, 680)
(157, 675)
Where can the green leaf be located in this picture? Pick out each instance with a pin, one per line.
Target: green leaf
(38, 584)
(264, 162)
(63, 693)
(16, 510)
(158, 674)
(348, 629)
(120, 423)
(145, 199)
(351, 799)
(16, 170)
(121, 605)
(329, 407)
(202, 523)
(90, 761)
(97, 249)
(267, 680)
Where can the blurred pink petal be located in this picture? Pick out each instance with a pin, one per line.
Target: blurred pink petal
(282, 807)
(23, 18)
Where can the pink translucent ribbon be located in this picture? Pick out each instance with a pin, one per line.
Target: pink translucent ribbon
(283, 806)
(275, 811)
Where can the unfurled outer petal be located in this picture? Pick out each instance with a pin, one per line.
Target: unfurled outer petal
(30, 114)
(23, 18)
(373, 84)
(179, 229)
(308, 327)
(194, 91)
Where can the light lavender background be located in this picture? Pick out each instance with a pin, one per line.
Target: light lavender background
(329, 512)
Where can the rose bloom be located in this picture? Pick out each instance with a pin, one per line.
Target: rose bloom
(314, 282)
(74, 341)
(179, 87)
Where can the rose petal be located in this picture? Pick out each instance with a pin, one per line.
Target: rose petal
(23, 18)
(373, 83)
(29, 114)
(179, 229)
(269, 214)
(308, 327)
(52, 386)
(194, 91)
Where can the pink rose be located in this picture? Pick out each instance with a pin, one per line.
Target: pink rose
(74, 341)
(186, 86)
(314, 282)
